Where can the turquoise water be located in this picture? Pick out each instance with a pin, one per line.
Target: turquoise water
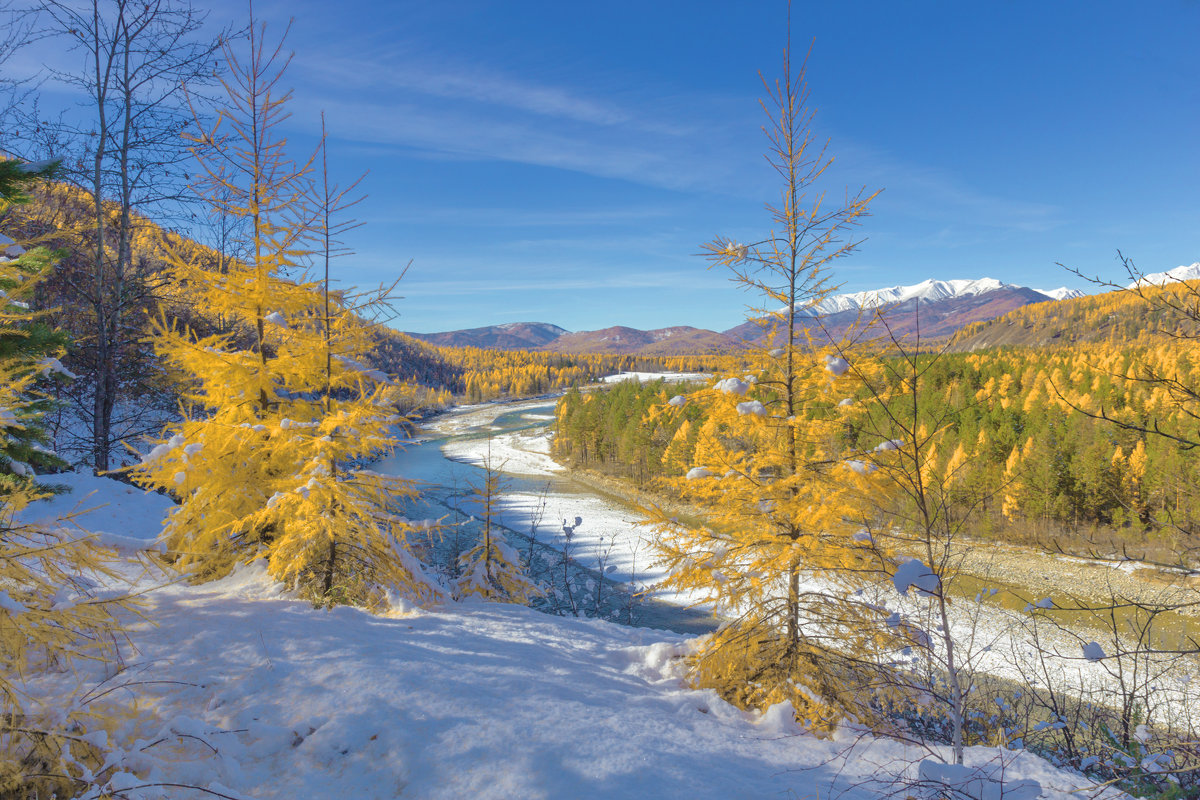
(422, 460)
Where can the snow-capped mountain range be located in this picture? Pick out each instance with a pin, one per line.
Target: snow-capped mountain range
(928, 290)
(946, 306)
(1190, 272)
(1061, 293)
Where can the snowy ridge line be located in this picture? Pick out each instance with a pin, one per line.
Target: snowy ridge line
(929, 289)
(1189, 272)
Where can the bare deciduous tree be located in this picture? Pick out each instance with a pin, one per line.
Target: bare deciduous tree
(126, 150)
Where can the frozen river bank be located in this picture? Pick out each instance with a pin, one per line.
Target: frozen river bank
(538, 500)
(606, 535)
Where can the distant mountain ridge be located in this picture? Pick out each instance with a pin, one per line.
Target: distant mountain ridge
(926, 312)
(930, 290)
(1190, 272)
(1062, 293)
(934, 309)
(677, 340)
(1114, 316)
(509, 336)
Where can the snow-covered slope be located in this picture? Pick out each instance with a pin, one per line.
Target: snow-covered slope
(120, 516)
(1189, 272)
(481, 700)
(1061, 293)
(251, 693)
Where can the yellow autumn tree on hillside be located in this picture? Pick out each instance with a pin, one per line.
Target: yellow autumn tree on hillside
(770, 463)
(280, 408)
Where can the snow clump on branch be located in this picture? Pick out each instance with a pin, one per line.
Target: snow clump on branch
(732, 386)
(837, 365)
(914, 573)
(754, 407)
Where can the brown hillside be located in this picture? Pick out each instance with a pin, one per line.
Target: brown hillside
(678, 340)
(512, 336)
(937, 319)
(1117, 316)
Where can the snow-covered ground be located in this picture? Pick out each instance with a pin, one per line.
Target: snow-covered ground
(647, 377)
(484, 700)
(256, 694)
(120, 516)
(515, 453)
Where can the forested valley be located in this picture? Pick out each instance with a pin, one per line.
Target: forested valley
(1050, 445)
(256, 542)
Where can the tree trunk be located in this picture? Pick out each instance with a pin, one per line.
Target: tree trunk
(330, 564)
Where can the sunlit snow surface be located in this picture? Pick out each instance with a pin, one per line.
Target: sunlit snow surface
(470, 700)
(648, 377)
(467, 700)
(118, 515)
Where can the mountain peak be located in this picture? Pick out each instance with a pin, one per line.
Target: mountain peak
(929, 289)
(1189, 272)
(1061, 293)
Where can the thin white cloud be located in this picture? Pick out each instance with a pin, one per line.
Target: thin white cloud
(604, 152)
(934, 194)
(489, 217)
(475, 287)
(486, 86)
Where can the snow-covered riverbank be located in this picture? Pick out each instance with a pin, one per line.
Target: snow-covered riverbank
(601, 532)
(1006, 643)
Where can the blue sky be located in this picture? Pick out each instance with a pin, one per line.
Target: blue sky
(563, 161)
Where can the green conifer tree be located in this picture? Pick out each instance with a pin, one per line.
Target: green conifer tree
(29, 347)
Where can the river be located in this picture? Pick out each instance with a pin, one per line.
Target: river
(603, 535)
(539, 501)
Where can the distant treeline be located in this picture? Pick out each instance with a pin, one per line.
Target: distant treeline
(475, 374)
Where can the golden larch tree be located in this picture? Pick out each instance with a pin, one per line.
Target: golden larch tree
(279, 407)
(769, 460)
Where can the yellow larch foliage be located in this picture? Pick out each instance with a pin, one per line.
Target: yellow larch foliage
(679, 450)
(1014, 486)
(784, 505)
(262, 459)
(59, 598)
(955, 464)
